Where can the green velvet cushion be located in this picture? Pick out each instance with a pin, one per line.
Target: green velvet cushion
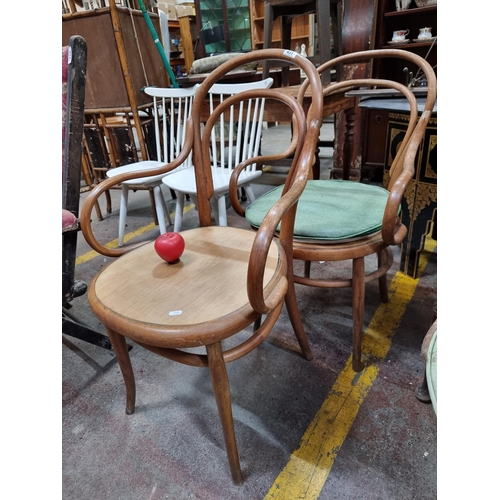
(329, 210)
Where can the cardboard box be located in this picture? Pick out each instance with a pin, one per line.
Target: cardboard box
(171, 12)
(169, 9)
(185, 10)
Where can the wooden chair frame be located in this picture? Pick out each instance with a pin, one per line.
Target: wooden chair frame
(392, 231)
(264, 292)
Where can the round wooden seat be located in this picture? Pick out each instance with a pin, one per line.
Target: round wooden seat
(169, 305)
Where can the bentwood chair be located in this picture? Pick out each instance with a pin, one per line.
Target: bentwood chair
(235, 138)
(342, 220)
(171, 108)
(228, 280)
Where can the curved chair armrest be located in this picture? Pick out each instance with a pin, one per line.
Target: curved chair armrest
(298, 136)
(91, 199)
(233, 181)
(391, 234)
(279, 212)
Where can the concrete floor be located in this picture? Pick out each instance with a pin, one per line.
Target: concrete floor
(305, 429)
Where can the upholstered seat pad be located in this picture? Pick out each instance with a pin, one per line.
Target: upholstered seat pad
(69, 221)
(330, 210)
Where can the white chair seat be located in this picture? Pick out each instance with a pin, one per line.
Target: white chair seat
(137, 167)
(185, 182)
(171, 108)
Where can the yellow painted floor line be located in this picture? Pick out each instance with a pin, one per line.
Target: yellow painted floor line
(128, 236)
(307, 470)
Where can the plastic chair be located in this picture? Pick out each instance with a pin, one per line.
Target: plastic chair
(234, 139)
(342, 220)
(171, 108)
(228, 279)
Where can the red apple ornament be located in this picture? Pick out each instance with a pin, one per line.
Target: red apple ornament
(169, 247)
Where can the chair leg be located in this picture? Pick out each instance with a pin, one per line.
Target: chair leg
(422, 392)
(153, 205)
(307, 268)
(220, 385)
(165, 208)
(219, 208)
(121, 351)
(179, 210)
(98, 210)
(382, 281)
(292, 308)
(250, 194)
(108, 201)
(358, 311)
(123, 214)
(159, 204)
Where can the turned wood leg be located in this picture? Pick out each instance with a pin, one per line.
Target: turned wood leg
(296, 320)
(121, 350)
(358, 311)
(382, 281)
(348, 150)
(220, 385)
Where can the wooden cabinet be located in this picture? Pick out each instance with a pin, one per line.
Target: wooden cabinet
(376, 120)
(300, 30)
(234, 16)
(412, 19)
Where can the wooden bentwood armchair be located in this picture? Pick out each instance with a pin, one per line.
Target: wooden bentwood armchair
(228, 279)
(343, 220)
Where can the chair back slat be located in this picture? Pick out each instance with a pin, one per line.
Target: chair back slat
(171, 109)
(238, 134)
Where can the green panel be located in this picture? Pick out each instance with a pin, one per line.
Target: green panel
(238, 24)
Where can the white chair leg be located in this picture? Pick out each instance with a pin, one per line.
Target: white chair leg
(215, 209)
(179, 211)
(123, 214)
(194, 199)
(160, 202)
(250, 194)
(165, 208)
(221, 202)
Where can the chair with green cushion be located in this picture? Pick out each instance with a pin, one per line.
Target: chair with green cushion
(342, 220)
